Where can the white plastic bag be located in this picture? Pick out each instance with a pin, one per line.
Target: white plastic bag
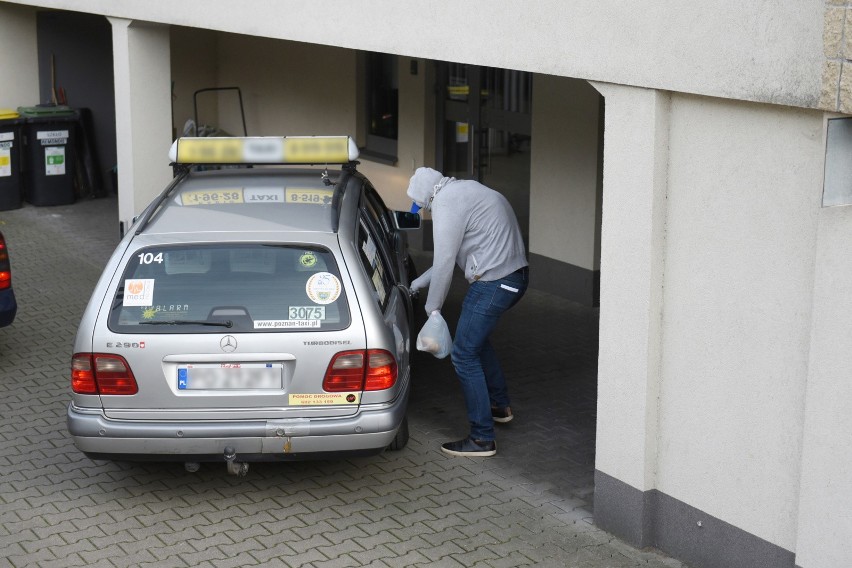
(435, 336)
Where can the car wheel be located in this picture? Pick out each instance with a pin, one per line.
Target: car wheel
(401, 438)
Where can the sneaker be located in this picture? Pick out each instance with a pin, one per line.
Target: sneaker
(470, 447)
(501, 415)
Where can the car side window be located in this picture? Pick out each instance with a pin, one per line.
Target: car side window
(374, 261)
(377, 213)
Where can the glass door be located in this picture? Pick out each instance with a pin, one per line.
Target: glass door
(485, 130)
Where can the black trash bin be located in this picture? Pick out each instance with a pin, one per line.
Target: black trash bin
(50, 156)
(10, 159)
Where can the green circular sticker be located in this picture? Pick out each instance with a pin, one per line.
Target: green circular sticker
(308, 260)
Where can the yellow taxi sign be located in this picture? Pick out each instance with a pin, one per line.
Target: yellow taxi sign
(264, 150)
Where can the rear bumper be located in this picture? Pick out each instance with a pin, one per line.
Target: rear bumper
(369, 431)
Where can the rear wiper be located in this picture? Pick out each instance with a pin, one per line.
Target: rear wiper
(226, 323)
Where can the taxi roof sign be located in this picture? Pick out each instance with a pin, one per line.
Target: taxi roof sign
(264, 150)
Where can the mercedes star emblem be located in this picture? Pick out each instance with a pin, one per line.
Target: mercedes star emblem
(228, 343)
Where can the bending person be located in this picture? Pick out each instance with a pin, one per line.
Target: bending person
(475, 228)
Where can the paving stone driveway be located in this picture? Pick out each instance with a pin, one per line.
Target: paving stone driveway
(528, 506)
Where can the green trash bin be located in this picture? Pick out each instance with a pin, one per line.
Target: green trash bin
(49, 163)
(10, 159)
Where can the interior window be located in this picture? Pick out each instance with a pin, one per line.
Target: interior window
(837, 188)
(381, 106)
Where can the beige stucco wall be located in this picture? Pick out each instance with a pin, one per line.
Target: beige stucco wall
(19, 62)
(564, 179)
(194, 62)
(769, 53)
(744, 190)
(722, 315)
(825, 498)
(292, 88)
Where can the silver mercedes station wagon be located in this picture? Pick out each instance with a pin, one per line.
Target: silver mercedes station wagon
(250, 313)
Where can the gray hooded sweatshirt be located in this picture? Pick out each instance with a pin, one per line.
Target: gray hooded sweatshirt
(473, 226)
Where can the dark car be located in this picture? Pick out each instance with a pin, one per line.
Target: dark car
(8, 304)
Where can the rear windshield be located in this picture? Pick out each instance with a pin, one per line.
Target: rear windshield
(238, 288)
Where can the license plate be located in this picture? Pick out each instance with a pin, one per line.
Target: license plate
(230, 376)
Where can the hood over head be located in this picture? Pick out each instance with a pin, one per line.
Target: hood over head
(424, 185)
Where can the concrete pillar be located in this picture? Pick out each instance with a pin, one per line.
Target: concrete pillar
(141, 55)
(18, 56)
(825, 492)
(632, 258)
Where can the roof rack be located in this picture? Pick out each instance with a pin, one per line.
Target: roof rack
(154, 207)
(274, 150)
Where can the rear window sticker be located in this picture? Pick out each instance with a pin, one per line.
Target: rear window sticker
(172, 308)
(379, 285)
(188, 262)
(369, 248)
(308, 260)
(323, 288)
(165, 311)
(257, 261)
(150, 257)
(286, 324)
(316, 399)
(306, 312)
(138, 292)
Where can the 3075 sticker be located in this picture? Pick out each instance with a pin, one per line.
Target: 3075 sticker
(306, 312)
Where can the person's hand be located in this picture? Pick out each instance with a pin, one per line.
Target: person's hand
(420, 283)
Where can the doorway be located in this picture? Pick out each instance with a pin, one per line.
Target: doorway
(484, 130)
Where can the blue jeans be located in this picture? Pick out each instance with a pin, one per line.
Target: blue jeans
(473, 356)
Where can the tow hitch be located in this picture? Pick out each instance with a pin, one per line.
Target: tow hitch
(240, 469)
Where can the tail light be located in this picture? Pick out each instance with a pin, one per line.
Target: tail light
(5, 266)
(348, 371)
(101, 373)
